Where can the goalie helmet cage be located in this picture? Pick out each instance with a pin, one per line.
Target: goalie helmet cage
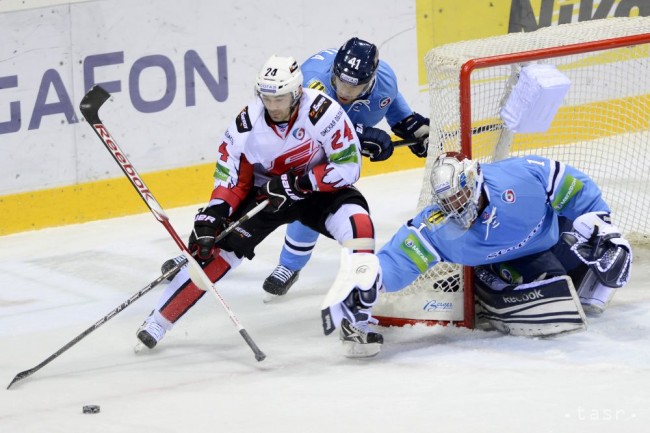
(601, 127)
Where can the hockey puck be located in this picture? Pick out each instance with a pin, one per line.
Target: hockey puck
(91, 408)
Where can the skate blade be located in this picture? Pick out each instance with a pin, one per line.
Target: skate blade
(267, 298)
(140, 348)
(356, 350)
(593, 310)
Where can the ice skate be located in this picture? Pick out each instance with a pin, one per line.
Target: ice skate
(358, 339)
(169, 264)
(279, 282)
(149, 334)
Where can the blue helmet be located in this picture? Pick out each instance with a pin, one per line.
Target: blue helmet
(356, 62)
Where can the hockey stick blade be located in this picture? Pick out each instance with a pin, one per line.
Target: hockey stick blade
(25, 374)
(89, 106)
(92, 102)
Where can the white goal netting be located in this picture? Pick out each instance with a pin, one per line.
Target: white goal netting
(602, 128)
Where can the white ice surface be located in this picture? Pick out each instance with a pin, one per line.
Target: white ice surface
(55, 283)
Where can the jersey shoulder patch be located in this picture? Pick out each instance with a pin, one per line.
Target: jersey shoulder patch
(436, 217)
(243, 121)
(318, 108)
(317, 85)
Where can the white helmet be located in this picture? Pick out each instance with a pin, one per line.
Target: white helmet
(279, 76)
(457, 182)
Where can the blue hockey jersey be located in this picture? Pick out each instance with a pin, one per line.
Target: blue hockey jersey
(383, 99)
(525, 198)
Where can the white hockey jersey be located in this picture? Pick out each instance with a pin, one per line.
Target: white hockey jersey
(318, 141)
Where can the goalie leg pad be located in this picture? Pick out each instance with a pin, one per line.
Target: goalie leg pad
(355, 287)
(541, 308)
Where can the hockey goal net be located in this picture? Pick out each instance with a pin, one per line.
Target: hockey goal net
(601, 127)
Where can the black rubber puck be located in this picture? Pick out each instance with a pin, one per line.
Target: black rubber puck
(91, 408)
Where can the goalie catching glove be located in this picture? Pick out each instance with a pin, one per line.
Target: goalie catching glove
(375, 143)
(600, 245)
(208, 224)
(414, 126)
(283, 191)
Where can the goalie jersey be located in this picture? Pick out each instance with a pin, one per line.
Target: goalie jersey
(525, 198)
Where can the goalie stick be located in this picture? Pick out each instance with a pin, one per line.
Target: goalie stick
(25, 374)
(89, 106)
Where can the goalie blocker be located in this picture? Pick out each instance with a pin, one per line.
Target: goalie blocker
(538, 309)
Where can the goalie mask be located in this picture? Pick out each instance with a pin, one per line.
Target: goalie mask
(457, 183)
(278, 77)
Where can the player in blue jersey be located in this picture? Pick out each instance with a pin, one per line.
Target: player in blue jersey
(524, 223)
(366, 87)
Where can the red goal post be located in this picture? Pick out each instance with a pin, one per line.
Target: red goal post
(602, 127)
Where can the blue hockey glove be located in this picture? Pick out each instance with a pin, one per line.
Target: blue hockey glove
(414, 126)
(375, 143)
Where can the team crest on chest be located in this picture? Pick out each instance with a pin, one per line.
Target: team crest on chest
(508, 196)
(298, 133)
(296, 159)
(385, 102)
(489, 218)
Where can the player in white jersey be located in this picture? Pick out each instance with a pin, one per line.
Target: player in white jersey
(297, 148)
(366, 87)
(525, 224)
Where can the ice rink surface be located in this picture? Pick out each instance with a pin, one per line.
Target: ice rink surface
(55, 283)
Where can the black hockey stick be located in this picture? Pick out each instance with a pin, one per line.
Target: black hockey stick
(90, 105)
(408, 142)
(447, 135)
(25, 374)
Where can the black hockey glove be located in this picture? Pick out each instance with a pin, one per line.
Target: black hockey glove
(282, 191)
(414, 126)
(208, 223)
(375, 143)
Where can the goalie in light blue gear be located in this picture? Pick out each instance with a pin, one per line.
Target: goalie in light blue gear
(533, 228)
